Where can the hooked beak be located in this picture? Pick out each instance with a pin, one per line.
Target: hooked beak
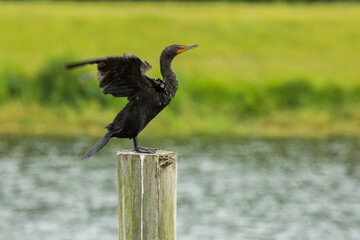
(191, 47)
(185, 48)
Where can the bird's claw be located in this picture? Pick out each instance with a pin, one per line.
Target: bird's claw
(145, 150)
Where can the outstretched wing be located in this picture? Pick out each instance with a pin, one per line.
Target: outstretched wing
(122, 76)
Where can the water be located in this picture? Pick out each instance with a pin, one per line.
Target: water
(235, 189)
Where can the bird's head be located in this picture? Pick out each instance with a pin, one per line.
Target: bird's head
(174, 50)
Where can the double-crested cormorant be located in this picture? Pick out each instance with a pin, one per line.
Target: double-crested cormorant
(126, 77)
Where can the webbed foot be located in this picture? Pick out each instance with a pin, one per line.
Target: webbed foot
(145, 150)
(140, 149)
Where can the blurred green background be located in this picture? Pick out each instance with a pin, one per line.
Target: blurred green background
(269, 70)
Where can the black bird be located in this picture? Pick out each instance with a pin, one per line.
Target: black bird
(126, 77)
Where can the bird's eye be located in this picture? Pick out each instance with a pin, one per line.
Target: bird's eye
(181, 47)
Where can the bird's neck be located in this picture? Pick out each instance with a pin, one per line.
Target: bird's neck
(168, 75)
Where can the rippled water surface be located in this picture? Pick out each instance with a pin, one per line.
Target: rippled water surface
(234, 189)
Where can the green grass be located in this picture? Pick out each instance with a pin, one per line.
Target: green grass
(263, 70)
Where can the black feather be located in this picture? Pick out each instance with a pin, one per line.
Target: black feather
(99, 145)
(79, 64)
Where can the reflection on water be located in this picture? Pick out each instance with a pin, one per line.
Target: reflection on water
(240, 189)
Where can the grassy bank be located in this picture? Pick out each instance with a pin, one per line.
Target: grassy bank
(35, 120)
(263, 70)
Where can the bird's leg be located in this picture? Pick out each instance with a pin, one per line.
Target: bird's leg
(140, 149)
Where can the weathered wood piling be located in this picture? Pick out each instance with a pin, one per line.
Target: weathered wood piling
(147, 195)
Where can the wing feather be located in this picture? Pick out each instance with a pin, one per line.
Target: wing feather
(123, 76)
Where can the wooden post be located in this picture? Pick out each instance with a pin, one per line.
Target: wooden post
(147, 195)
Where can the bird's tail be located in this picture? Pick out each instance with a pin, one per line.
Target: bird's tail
(79, 64)
(99, 145)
